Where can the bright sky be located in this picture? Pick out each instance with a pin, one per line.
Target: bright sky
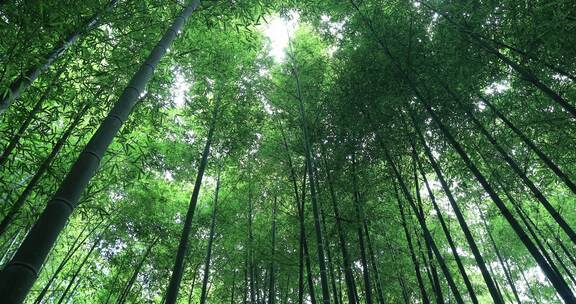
(279, 30)
(497, 87)
(179, 88)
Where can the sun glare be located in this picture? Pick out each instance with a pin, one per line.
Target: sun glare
(279, 30)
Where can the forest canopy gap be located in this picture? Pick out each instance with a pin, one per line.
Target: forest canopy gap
(279, 152)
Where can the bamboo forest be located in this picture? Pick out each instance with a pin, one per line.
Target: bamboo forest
(284, 151)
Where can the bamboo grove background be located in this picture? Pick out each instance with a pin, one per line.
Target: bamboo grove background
(401, 152)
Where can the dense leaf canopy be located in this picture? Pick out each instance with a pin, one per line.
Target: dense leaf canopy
(404, 151)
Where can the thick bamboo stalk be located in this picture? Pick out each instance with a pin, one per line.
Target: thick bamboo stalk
(19, 275)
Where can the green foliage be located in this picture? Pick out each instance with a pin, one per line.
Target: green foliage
(361, 69)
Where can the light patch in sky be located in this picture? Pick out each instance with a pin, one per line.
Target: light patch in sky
(168, 175)
(279, 30)
(179, 87)
(268, 107)
(334, 28)
(497, 87)
(178, 218)
(430, 27)
(331, 50)
(480, 105)
(110, 32)
(561, 78)
(4, 17)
